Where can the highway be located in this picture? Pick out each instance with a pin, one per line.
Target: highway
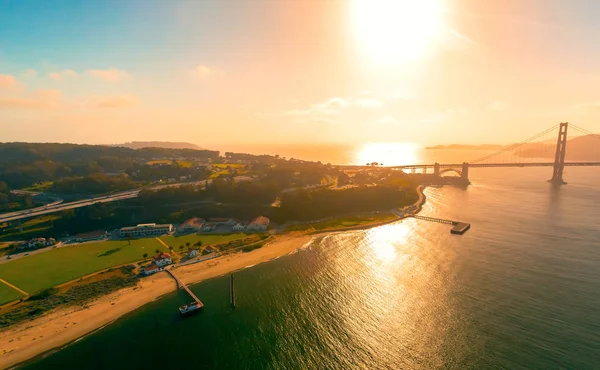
(59, 206)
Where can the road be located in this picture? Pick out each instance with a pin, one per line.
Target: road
(57, 207)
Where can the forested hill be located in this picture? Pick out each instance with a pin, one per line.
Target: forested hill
(159, 144)
(23, 164)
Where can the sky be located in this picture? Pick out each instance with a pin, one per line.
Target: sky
(230, 72)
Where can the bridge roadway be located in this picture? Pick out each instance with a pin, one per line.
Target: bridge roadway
(481, 165)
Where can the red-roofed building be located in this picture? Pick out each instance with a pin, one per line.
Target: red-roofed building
(193, 225)
(258, 224)
(162, 259)
(149, 270)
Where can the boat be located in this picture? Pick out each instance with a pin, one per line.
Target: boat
(190, 308)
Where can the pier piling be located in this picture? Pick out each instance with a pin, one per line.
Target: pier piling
(231, 291)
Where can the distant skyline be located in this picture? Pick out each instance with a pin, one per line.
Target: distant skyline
(232, 72)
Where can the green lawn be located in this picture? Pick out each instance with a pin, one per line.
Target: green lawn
(342, 222)
(48, 269)
(8, 294)
(42, 186)
(176, 241)
(225, 165)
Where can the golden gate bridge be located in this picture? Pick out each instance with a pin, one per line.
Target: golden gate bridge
(533, 152)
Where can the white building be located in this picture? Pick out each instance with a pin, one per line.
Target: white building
(162, 259)
(149, 270)
(258, 224)
(239, 227)
(142, 230)
(193, 253)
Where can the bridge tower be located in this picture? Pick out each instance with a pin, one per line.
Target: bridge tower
(559, 159)
(436, 169)
(465, 172)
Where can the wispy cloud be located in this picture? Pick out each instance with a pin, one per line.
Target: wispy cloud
(202, 72)
(120, 101)
(30, 73)
(387, 121)
(57, 76)
(8, 81)
(498, 105)
(40, 99)
(369, 103)
(109, 75)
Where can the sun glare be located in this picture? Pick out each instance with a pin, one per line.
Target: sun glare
(388, 154)
(394, 31)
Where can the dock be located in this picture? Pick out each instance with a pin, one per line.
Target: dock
(182, 285)
(458, 227)
(231, 291)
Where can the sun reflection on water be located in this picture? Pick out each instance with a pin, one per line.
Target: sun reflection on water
(383, 240)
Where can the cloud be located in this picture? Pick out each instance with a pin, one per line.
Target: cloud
(369, 103)
(57, 76)
(387, 121)
(498, 105)
(109, 75)
(40, 99)
(321, 111)
(8, 81)
(30, 73)
(119, 101)
(202, 72)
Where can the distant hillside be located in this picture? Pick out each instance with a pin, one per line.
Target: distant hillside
(582, 148)
(159, 144)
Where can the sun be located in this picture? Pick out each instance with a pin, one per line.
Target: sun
(396, 31)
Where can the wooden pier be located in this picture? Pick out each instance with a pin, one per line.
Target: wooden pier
(457, 226)
(231, 291)
(182, 285)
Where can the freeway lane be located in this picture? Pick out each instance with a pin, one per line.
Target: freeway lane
(13, 216)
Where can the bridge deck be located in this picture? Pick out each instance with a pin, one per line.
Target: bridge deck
(435, 219)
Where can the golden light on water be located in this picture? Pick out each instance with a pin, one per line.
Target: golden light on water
(390, 154)
(394, 31)
(383, 240)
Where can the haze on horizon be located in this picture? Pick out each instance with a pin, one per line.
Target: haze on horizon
(219, 73)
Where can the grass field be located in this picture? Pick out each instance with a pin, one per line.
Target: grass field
(185, 164)
(236, 166)
(48, 269)
(337, 223)
(8, 294)
(160, 161)
(176, 241)
(42, 186)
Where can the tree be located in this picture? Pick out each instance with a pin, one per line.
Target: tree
(129, 239)
(157, 251)
(181, 247)
(145, 255)
(187, 244)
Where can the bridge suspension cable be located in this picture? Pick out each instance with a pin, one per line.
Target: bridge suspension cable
(511, 148)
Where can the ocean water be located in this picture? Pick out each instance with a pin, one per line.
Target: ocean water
(520, 290)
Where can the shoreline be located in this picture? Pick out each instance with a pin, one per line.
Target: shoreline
(64, 326)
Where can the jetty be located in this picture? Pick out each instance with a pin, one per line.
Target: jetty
(196, 305)
(231, 291)
(458, 227)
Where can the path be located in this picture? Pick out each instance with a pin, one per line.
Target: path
(168, 248)
(14, 287)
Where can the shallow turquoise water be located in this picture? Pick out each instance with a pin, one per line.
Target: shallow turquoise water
(519, 290)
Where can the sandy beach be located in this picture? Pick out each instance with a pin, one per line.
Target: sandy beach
(62, 326)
